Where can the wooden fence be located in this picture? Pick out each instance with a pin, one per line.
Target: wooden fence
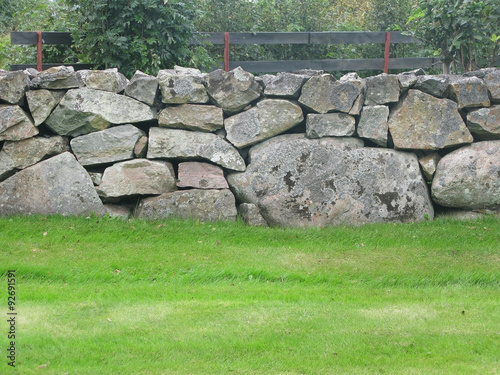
(228, 39)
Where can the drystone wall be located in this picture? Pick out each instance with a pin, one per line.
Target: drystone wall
(292, 149)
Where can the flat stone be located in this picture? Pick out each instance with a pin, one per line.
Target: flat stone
(107, 80)
(15, 124)
(13, 87)
(57, 78)
(56, 186)
(469, 92)
(267, 119)
(250, 214)
(107, 146)
(285, 85)
(373, 124)
(330, 125)
(182, 86)
(201, 176)
(141, 147)
(302, 182)
(382, 89)
(137, 177)
(423, 122)
(484, 123)
(233, 90)
(82, 111)
(205, 205)
(429, 164)
(206, 118)
(468, 178)
(42, 102)
(187, 145)
(143, 87)
(433, 85)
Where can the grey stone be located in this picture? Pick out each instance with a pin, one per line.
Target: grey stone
(182, 86)
(250, 214)
(201, 176)
(468, 178)
(287, 85)
(207, 118)
(57, 78)
(137, 177)
(82, 111)
(267, 119)
(492, 80)
(373, 124)
(434, 85)
(107, 146)
(143, 87)
(484, 123)
(423, 122)
(188, 145)
(357, 107)
(7, 166)
(407, 81)
(429, 164)
(56, 186)
(96, 177)
(324, 94)
(330, 125)
(13, 86)
(116, 210)
(233, 90)
(302, 182)
(107, 80)
(469, 92)
(141, 147)
(206, 205)
(382, 89)
(15, 124)
(265, 79)
(42, 102)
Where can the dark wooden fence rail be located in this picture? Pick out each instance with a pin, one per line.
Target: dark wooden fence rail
(228, 39)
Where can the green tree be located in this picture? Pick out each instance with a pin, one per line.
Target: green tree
(134, 34)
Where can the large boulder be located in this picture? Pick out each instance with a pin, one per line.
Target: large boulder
(469, 177)
(42, 102)
(302, 182)
(206, 205)
(423, 122)
(484, 123)
(56, 186)
(58, 78)
(267, 119)
(207, 118)
(324, 94)
(82, 111)
(137, 177)
(13, 86)
(107, 146)
(15, 124)
(143, 87)
(234, 90)
(181, 86)
(188, 145)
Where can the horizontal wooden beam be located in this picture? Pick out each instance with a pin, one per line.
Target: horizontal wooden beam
(47, 66)
(48, 37)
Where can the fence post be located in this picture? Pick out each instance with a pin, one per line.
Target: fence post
(39, 51)
(226, 51)
(386, 53)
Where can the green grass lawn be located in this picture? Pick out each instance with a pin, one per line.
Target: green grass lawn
(105, 296)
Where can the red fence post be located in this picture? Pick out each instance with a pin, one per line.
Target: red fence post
(226, 52)
(386, 54)
(39, 52)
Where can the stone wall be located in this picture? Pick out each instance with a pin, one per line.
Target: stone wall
(302, 149)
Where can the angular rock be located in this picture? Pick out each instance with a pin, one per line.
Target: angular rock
(107, 80)
(13, 86)
(267, 119)
(15, 124)
(373, 124)
(107, 146)
(234, 90)
(137, 177)
(188, 145)
(96, 178)
(324, 94)
(250, 214)
(57, 78)
(469, 92)
(429, 164)
(7, 166)
(492, 80)
(357, 107)
(330, 125)
(201, 176)
(484, 123)
(407, 81)
(42, 102)
(382, 89)
(182, 86)
(469, 178)
(205, 205)
(423, 122)
(265, 79)
(434, 85)
(143, 87)
(301, 182)
(207, 118)
(82, 111)
(287, 85)
(116, 210)
(56, 186)
(141, 147)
